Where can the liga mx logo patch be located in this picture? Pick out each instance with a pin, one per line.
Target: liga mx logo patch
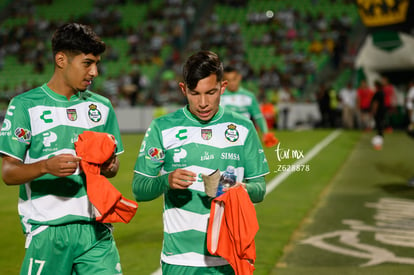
(22, 135)
(71, 114)
(156, 154)
(206, 134)
(94, 114)
(231, 133)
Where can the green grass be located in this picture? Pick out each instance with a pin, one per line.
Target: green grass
(366, 177)
(139, 242)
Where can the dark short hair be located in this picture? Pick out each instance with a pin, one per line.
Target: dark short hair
(77, 38)
(230, 69)
(201, 65)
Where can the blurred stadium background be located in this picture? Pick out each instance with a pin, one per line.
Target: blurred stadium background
(296, 45)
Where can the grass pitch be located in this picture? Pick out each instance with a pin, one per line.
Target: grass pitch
(285, 216)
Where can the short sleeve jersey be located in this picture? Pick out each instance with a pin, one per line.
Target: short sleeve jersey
(180, 140)
(40, 124)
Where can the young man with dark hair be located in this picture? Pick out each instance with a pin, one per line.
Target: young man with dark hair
(37, 143)
(240, 100)
(181, 146)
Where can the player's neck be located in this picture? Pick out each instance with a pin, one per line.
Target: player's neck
(58, 86)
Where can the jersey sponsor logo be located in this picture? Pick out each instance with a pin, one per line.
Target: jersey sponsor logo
(231, 133)
(6, 125)
(156, 154)
(206, 134)
(142, 149)
(231, 156)
(181, 134)
(179, 154)
(5, 129)
(71, 114)
(94, 114)
(49, 138)
(46, 116)
(22, 135)
(207, 156)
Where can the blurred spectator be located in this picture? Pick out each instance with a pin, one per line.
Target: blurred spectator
(328, 105)
(364, 96)
(110, 89)
(390, 101)
(348, 99)
(410, 107)
(285, 99)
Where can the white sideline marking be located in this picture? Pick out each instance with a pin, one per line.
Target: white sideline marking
(309, 155)
(279, 178)
(158, 272)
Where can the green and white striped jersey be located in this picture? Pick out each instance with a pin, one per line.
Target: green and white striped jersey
(40, 124)
(244, 102)
(180, 140)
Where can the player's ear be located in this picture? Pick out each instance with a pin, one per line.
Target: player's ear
(60, 59)
(223, 86)
(182, 87)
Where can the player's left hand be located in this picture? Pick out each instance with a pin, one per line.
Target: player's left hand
(270, 140)
(242, 184)
(110, 167)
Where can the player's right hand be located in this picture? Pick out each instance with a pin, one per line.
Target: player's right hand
(62, 165)
(181, 179)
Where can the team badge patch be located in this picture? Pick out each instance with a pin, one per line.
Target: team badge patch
(22, 135)
(231, 133)
(156, 154)
(71, 114)
(94, 114)
(206, 134)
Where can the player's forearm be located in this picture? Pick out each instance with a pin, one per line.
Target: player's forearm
(146, 188)
(16, 172)
(256, 188)
(261, 122)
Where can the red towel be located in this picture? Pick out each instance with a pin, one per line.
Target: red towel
(231, 230)
(110, 206)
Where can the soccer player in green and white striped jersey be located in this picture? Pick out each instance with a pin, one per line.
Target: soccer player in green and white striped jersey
(240, 100)
(179, 147)
(37, 145)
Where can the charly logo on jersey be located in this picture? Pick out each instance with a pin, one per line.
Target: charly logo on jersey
(182, 134)
(22, 135)
(231, 133)
(71, 114)
(47, 116)
(156, 154)
(206, 134)
(94, 114)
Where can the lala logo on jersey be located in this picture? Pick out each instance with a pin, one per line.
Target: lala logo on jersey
(94, 114)
(231, 133)
(206, 134)
(72, 115)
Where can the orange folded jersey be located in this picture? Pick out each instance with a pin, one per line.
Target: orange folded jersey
(110, 206)
(231, 230)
